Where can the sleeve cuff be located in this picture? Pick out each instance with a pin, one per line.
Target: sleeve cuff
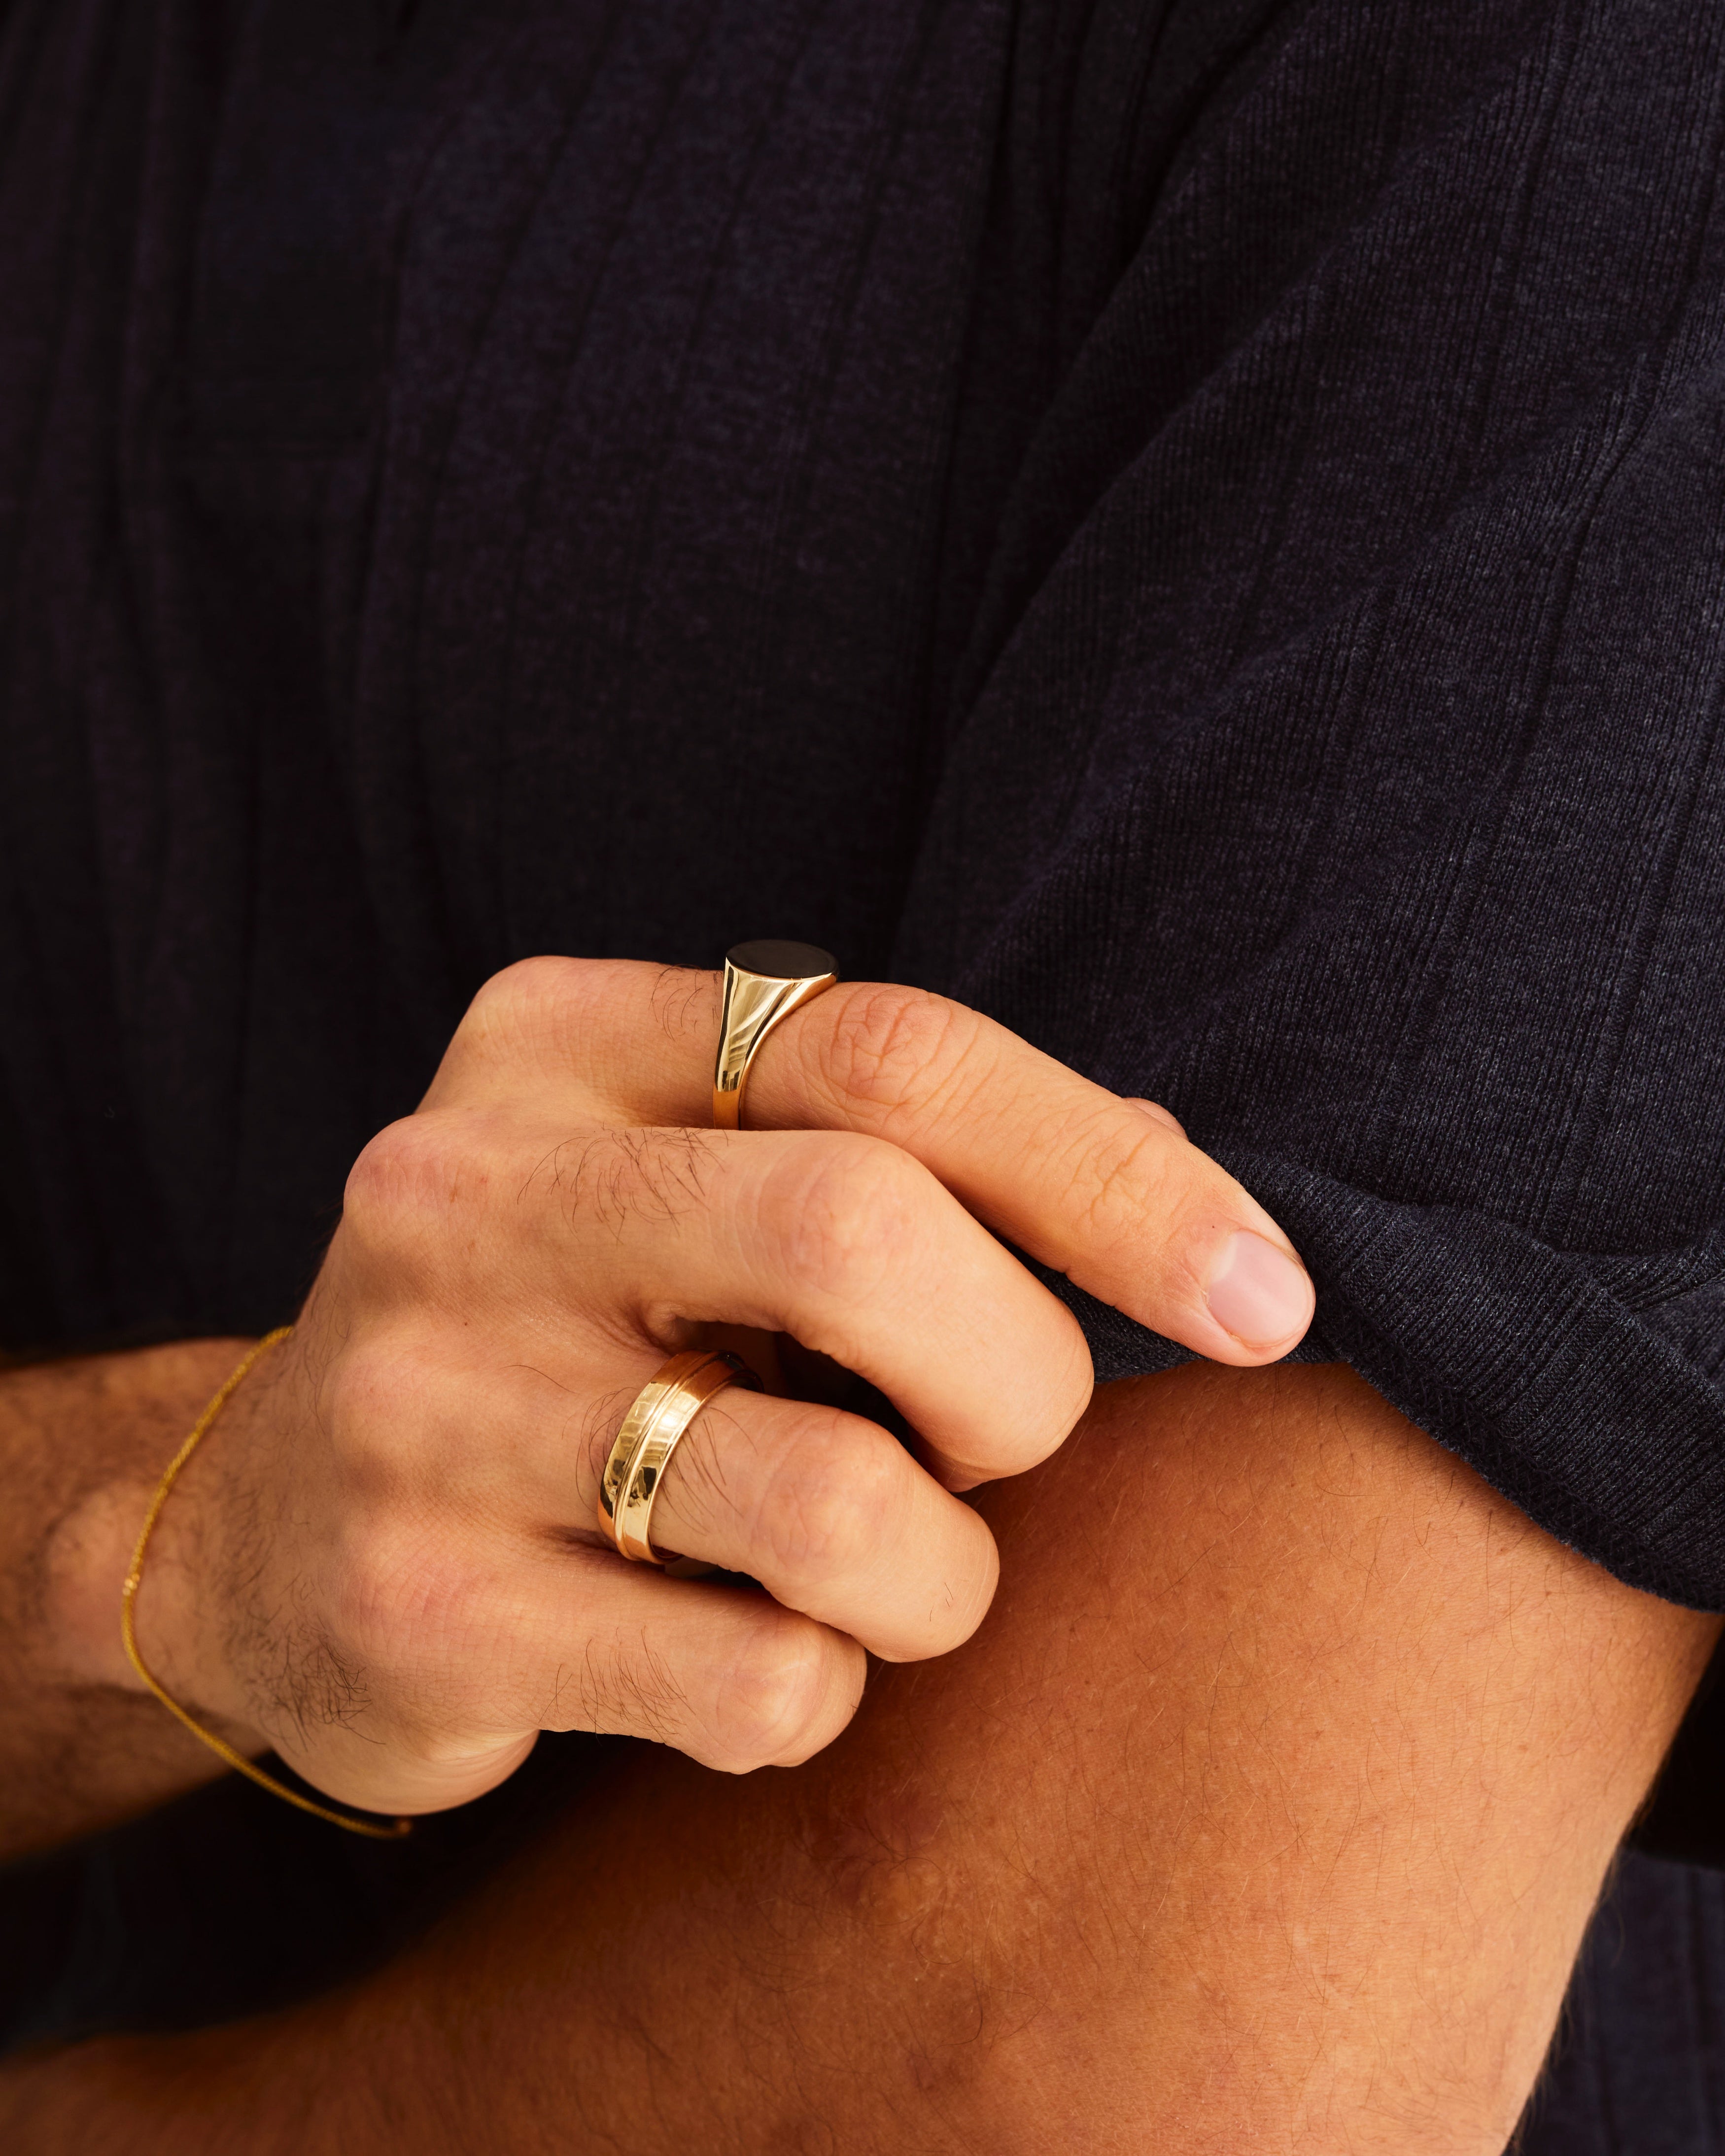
(1582, 1386)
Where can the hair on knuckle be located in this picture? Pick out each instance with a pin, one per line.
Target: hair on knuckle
(618, 1176)
(683, 1001)
(624, 1689)
(299, 1676)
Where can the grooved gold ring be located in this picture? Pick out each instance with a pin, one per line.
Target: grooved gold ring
(652, 1430)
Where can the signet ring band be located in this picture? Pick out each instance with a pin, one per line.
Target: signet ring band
(764, 983)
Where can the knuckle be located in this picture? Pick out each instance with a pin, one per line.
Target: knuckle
(408, 1165)
(890, 1048)
(1123, 1171)
(416, 1176)
(842, 1214)
(776, 1692)
(527, 1001)
(538, 1015)
(386, 1173)
(389, 1597)
(360, 1390)
(827, 1517)
(413, 1634)
(344, 1639)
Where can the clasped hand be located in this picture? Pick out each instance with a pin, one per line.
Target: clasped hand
(388, 1565)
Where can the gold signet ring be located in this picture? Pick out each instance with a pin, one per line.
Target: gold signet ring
(764, 983)
(652, 1429)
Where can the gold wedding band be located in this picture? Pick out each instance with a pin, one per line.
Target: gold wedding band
(764, 982)
(652, 1429)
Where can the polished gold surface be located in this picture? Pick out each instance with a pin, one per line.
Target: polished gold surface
(652, 1429)
(764, 983)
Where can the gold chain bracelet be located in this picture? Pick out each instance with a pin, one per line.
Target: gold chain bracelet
(374, 1830)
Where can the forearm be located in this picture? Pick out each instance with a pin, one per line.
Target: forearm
(82, 1444)
(1265, 1813)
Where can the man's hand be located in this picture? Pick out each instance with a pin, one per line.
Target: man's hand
(385, 1563)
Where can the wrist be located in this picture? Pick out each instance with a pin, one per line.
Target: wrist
(90, 1549)
(88, 1556)
(85, 1568)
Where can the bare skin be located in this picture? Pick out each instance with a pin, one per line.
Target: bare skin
(1264, 1815)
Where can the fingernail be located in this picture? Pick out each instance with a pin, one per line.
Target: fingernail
(1258, 1293)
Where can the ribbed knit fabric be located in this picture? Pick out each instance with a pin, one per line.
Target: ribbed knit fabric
(1336, 754)
(1197, 526)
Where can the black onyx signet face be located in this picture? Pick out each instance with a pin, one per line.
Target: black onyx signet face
(780, 962)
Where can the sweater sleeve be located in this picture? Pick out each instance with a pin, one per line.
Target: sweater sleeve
(1336, 756)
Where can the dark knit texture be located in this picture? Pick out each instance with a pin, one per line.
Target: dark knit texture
(1197, 526)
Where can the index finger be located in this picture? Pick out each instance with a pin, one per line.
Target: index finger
(1107, 1191)
(1101, 1188)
